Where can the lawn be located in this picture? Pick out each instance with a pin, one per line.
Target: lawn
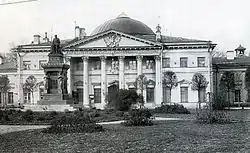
(164, 136)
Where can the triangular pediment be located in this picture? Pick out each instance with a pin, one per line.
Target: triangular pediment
(111, 39)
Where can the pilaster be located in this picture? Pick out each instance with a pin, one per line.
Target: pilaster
(103, 81)
(158, 81)
(85, 81)
(121, 73)
(69, 76)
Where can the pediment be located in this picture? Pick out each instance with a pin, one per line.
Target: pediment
(111, 39)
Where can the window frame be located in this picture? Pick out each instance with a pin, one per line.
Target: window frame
(181, 62)
(152, 96)
(184, 98)
(199, 62)
(166, 62)
(97, 96)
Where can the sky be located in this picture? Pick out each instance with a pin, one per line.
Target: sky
(225, 22)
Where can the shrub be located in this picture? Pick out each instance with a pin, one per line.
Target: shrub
(219, 102)
(79, 122)
(209, 116)
(28, 115)
(138, 117)
(172, 109)
(123, 100)
(4, 116)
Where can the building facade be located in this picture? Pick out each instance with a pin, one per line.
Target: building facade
(230, 76)
(113, 56)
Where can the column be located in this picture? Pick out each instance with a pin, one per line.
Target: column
(158, 81)
(139, 65)
(69, 79)
(20, 79)
(121, 73)
(85, 81)
(103, 81)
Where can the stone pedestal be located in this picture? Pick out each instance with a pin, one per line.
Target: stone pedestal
(55, 81)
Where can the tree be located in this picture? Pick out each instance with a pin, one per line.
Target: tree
(227, 83)
(217, 53)
(30, 86)
(169, 81)
(141, 83)
(4, 87)
(199, 83)
(247, 81)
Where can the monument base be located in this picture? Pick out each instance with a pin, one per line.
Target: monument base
(55, 99)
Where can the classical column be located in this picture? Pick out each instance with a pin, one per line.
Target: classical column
(69, 79)
(103, 80)
(121, 73)
(20, 78)
(139, 65)
(158, 81)
(85, 81)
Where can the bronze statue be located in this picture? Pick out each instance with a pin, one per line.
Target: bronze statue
(55, 47)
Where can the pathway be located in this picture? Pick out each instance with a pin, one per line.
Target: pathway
(13, 128)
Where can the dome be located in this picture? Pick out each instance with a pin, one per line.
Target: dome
(124, 24)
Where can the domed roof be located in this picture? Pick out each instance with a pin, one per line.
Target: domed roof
(124, 24)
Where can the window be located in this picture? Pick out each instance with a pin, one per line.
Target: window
(149, 64)
(238, 80)
(26, 98)
(150, 95)
(183, 61)
(132, 65)
(166, 95)
(26, 65)
(237, 96)
(203, 95)
(41, 62)
(184, 94)
(166, 62)
(201, 61)
(79, 66)
(95, 65)
(0, 97)
(10, 97)
(97, 95)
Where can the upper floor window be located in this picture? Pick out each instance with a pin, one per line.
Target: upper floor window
(149, 64)
(201, 61)
(132, 65)
(79, 66)
(166, 62)
(183, 61)
(41, 62)
(95, 65)
(26, 65)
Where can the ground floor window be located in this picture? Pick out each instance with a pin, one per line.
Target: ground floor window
(97, 95)
(184, 94)
(166, 95)
(202, 95)
(150, 95)
(27, 98)
(10, 97)
(237, 96)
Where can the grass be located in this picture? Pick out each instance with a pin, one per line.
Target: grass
(164, 136)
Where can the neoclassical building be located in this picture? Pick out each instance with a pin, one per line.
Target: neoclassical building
(113, 56)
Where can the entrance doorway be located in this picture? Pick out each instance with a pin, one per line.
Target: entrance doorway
(112, 92)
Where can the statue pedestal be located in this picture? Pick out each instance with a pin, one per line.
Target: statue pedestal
(56, 81)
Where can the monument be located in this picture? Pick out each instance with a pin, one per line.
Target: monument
(55, 80)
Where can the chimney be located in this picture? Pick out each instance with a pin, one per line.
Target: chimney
(36, 40)
(230, 55)
(46, 39)
(77, 32)
(82, 33)
(158, 33)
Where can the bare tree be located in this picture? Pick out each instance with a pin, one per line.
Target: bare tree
(30, 86)
(217, 53)
(199, 83)
(4, 87)
(169, 81)
(227, 83)
(141, 83)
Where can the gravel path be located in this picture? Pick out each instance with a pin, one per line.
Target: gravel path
(13, 128)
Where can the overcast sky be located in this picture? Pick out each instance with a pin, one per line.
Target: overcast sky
(225, 22)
